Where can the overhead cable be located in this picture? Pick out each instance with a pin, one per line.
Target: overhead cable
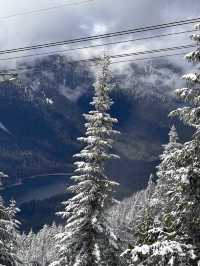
(46, 9)
(100, 36)
(123, 55)
(95, 46)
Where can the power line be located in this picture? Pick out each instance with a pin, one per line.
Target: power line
(140, 53)
(101, 36)
(96, 45)
(95, 59)
(45, 9)
(146, 58)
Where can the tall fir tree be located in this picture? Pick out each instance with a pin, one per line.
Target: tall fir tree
(165, 173)
(145, 218)
(13, 228)
(8, 240)
(176, 231)
(87, 238)
(162, 243)
(188, 160)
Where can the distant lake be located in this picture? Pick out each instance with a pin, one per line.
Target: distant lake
(38, 188)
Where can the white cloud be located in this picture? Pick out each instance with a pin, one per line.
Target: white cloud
(97, 17)
(99, 29)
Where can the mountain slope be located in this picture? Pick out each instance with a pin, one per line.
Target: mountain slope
(42, 117)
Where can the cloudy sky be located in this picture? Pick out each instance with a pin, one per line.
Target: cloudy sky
(95, 17)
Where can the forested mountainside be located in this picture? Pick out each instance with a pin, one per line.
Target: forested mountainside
(41, 117)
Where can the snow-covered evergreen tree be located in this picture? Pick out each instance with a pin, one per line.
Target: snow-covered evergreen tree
(87, 238)
(174, 237)
(145, 217)
(28, 252)
(165, 173)
(188, 160)
(39, 248)
(159, 241)
(8, 243)
(13, 227)
(124, 215)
